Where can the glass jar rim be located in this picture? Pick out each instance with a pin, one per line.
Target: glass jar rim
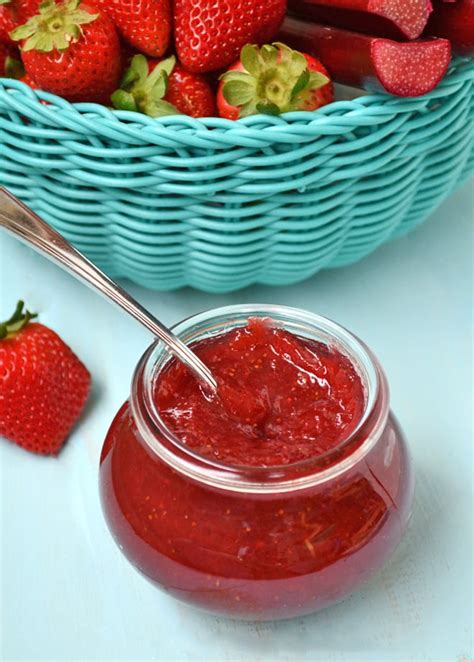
(247, 478)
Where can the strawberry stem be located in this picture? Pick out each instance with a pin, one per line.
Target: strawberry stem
(17, 321)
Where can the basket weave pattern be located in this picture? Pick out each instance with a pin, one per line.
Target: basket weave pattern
(219, 205)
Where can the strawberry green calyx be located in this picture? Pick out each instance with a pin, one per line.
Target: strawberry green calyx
(144, 92)
(17, 321)
(5, 2)
(14, 68)
(54, 28)
(276, 79)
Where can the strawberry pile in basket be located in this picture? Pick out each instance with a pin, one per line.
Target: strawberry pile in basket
(231, 58)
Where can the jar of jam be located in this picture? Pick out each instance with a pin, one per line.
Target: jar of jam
(278, 497)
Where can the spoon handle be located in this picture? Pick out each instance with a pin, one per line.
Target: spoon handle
(21, 222)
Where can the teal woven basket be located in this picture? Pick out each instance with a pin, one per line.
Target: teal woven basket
(219, 205)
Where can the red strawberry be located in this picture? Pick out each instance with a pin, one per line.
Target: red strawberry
(72, 50)
(190, 93)
(209, 34)
(43, 385)
(14, 13)
(5, 26)
(145, 24)
(164, 88)
(273, 80)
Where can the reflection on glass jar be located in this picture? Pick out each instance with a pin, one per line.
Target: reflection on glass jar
(256, 542)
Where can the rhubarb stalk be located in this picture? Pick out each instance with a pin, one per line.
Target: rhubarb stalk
(406, 69)
(454, 21)
(404, 19)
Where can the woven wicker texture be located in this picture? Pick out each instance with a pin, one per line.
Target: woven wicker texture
(219, 205)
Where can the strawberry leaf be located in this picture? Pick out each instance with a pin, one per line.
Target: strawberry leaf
(17, 321)
(129, 77)
(144, 92)
(317, 79)
(268, 108)
(276, 79)
(300, 84)
(250, 59)
(139, 67)
(167, 65)
(123, 100)
(160, 109)
(269, 55)
(14, 68)
(239, 92)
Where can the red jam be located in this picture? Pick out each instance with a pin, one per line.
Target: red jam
(282, 398)
(276, 553)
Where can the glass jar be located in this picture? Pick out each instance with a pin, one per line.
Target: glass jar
(256, 542)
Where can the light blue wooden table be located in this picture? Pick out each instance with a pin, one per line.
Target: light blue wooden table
(68, 594)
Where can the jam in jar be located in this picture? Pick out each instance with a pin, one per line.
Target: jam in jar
(279, 496)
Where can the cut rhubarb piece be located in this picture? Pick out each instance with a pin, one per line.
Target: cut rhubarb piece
(454, 21)
(408, 69)
(385, 18)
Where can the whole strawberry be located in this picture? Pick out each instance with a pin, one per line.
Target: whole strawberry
(43, 385)
(72, 50)
(209, 34)
(159, 88)
(14, 13)
(272, 80)
(145, 24)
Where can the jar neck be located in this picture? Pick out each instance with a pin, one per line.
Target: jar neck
(162, 443)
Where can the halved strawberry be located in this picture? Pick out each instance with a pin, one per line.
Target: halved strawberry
(273, 79)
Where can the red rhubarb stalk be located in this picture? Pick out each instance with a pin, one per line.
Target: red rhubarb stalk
(406, 69)
(454, 21)
(386, 18)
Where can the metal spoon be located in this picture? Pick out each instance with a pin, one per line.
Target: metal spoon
(18, 220)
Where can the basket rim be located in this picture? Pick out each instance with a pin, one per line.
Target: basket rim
(336, 117)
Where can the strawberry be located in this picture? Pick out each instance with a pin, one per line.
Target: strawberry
(31, 83)
(14, 13)
(209, 34)
(43, 385)
(5, 26)
(72, 50)
(145, 24)
(273, 80)
(14, 69)
(190, 93)
(159, 88)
